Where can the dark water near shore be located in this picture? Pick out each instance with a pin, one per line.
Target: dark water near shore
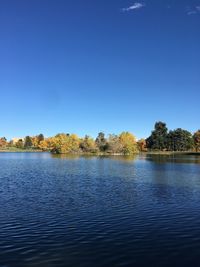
(99, 211)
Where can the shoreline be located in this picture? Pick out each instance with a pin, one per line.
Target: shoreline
(156, 153)
(20, 151)
(168, 153)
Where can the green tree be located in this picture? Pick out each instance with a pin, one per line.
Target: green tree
(28, 142)
(158, 138)
(196, 138)
(180, 140)
(101, 142)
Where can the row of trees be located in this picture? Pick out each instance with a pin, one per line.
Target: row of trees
(177, 140)
(125, 143)
(24, 143)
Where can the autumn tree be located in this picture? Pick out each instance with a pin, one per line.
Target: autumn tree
(63, 143)
(114, 145)
(36, 140)
(196, 138)
(3, 142)
(19, 144)
(142, 146)
(45, 144)
(87, 144)
(128, 142)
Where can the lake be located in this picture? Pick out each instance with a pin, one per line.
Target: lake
(99, 211)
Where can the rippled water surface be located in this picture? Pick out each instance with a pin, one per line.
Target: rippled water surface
(99, 211)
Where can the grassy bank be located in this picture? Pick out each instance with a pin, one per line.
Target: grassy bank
(15, 149)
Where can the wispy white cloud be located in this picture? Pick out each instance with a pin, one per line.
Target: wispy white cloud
(194, 10)
(133, 7)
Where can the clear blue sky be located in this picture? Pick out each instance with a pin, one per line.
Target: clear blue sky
(86, 66)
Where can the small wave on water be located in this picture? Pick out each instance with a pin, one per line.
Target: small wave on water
(98, 211)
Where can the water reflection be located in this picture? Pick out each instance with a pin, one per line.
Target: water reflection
(90, 156)
(65, 156)
(175, 158)
(99, 211)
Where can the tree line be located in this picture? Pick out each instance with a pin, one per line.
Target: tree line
(174, 140)
(125, 143)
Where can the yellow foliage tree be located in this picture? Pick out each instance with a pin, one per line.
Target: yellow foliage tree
(128, 142)
(87, 144)
(35, 142)
(45, 144)
(64, 143)
(3, 142)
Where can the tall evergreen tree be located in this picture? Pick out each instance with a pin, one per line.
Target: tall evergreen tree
(158, 138)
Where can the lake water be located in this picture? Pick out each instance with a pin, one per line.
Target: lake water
(99, 211)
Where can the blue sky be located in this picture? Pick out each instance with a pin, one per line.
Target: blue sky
(86, 66)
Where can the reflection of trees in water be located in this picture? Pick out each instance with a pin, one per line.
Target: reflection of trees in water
(65, 156)
(127, 158)
(168, 175)
(161, 177)
(157, 158)
(185, 158)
